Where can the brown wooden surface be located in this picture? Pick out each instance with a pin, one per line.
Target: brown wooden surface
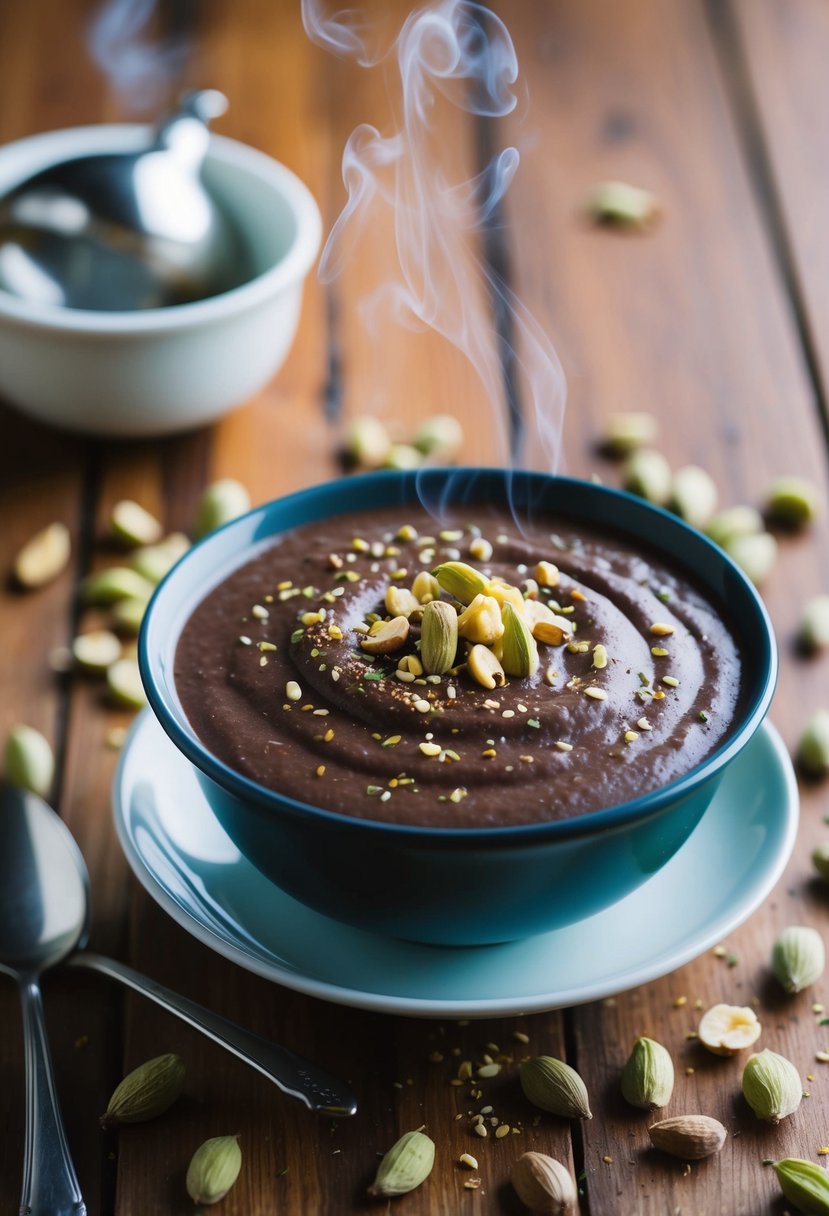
(716, 322)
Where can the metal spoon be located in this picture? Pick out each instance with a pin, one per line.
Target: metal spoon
(42, 916)
(124, 230)
(60, 879)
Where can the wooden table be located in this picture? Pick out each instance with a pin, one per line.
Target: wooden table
(717, 322)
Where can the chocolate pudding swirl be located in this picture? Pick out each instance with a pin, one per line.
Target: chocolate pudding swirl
(281, 675)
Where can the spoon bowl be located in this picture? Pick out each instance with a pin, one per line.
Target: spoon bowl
(126, 229)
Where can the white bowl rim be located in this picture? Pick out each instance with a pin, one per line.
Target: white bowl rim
(292, 268)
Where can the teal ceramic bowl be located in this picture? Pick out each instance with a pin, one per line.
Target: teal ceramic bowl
(461, 886)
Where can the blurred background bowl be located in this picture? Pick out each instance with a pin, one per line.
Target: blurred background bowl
(466, 885)
(162, 370)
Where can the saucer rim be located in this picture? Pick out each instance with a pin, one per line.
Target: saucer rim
(771, 869)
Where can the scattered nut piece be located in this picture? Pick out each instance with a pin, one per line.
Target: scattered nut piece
(43, 557)
(727, 1029)
(691, 1137)
(813, 746)
(124, 684)
(694, 495)
(624, 432)
(29, 762)
(221, 502)
(544, 1185)
(133, 524)
(792, 501)
(620, 205)
(96, 651)
(648, 474)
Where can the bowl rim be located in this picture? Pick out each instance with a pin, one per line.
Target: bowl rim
(291, 268)
(645, 806)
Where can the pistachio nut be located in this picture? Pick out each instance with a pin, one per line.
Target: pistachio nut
(544, 1185)
(483, 666)
(519, 652)
(461, 580)
(133, 524)
(124, 684)
(96, 651)
(439, 437)
(726, 1029)
(805, 1184)
(405, 1166)
(732, 522)
(154, 561)
(820, 860)
(814, 624)
(647, 473)
(621, 205)
(367, 442)
(127, 616)
(116, 583)
(388, 638)
(481, 621)
(694, 495)
(438, 637)
(547, 574)
(754, 554)
(792, 501)
(222, 501)
(506, 593)
(798, 957)
(480, 548)
(771, 1086)
(402, 456)
(627, 430)
(399, 601)
(554, 1086)
(43, 557)
(425, 587)
(213, 1169)
(691, 1137)
(648, 1075)
(813, 746)
(146, 1092)
(28, 761)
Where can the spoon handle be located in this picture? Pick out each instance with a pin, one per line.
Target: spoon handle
(50, 1187)
(295, 1076)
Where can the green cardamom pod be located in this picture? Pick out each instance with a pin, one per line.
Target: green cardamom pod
(407, 1163)
(147, 1091)
(220, 503)
(804, 1184)
(213, 1169)
(519, 652)
(438, 637)
(771, 1086)
(460, 580)
(554, 1086)
(648, 1075)
(798, 957)
(813, 745)
(820, 860)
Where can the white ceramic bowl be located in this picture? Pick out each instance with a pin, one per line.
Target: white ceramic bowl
(161, 370)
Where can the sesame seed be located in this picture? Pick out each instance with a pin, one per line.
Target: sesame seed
(508, 713)
(321, 713)
(597, 694)
(671, 681)
(661, 630)
(563, 747)
(392, 741)
(260, 612)
(293, 691)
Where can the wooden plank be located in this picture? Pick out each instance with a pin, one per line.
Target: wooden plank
(779, 59)
(691, 323)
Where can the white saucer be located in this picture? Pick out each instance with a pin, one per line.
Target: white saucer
(191, 868)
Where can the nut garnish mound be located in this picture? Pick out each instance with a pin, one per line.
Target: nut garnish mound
(471, 672)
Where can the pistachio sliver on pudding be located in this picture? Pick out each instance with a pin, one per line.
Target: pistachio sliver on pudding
(467, 673)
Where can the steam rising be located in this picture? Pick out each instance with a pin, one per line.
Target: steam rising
(460, 51)
(139, 67)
